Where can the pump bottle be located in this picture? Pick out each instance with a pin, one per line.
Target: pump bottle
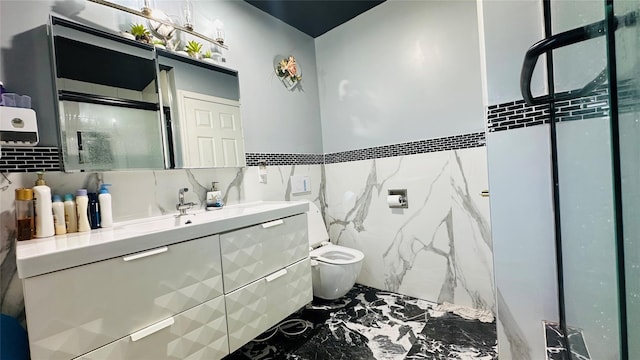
(43, 208)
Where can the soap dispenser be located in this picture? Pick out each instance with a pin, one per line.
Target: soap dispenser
(214, 198)
(43, 208)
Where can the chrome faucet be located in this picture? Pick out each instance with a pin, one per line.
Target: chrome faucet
(182, 207)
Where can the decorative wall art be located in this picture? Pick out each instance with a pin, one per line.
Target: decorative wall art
(289, 72)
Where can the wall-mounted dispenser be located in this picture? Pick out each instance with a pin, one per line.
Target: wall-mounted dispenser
(18, 127)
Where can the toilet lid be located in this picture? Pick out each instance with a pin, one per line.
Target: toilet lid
(317, 230)
(336, 255)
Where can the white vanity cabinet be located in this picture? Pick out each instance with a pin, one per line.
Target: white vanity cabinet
(198, 333)
(76, 310)
(198, 291)
(267, 275)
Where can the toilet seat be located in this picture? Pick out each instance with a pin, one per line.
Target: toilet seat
(336, 255)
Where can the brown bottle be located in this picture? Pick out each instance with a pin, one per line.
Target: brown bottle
(24, 214)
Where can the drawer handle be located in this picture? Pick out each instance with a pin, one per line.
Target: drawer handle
(275, 275)
(272, 223)
(152, 329)
(145, 253)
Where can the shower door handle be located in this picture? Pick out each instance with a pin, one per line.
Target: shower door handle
(562, 39)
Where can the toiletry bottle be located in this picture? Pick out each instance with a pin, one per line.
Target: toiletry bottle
(94, 210)
(104, 198)
(58, 215)
(214, 198)
(43, 209)
(82, 206)
(70, 214)
(24, 214)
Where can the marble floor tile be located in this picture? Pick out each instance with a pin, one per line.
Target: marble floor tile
(371, 324)
(555, 344)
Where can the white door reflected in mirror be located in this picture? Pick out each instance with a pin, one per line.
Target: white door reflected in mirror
(211, 131)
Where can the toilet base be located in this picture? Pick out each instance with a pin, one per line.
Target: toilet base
(331, 282)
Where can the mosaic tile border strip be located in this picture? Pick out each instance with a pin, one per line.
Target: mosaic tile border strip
(455, 142)
(517, 114)
(254, 159)
(29, 159)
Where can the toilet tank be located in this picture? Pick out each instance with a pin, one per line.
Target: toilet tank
(317, 230)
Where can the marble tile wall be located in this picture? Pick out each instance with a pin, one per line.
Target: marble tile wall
(139, 194)
(438, 249)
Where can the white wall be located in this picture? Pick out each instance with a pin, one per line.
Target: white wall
(275, 119)
(523, 239)
(400, 72)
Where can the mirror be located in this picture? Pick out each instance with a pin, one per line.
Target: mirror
(123, 104)
(203, 112)
(107, 101)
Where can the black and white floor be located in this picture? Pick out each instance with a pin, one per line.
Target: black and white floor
(374, 324)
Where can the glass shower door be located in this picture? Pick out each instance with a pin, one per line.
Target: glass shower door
(585, 187)
(627, 63)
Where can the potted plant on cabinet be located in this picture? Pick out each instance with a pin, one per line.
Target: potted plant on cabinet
(141, 33)
(193, 48)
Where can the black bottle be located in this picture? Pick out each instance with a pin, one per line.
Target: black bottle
(94, 210)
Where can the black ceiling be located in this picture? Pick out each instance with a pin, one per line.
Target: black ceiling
(314, 17)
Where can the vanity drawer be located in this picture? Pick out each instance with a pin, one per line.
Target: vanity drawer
(198, 333)
(260, 305)
(73, 311)
(251, 253)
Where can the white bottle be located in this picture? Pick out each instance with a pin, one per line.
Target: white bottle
(43, 209)
(82, 205)
(58, 215)
(104, 199)
(70, 214)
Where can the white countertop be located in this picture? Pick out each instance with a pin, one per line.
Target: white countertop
(40, 256)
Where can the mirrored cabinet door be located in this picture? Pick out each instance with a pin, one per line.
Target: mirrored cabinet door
(108, 100)
(203, 105)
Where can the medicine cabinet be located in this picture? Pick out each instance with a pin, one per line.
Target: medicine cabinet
(123, 104)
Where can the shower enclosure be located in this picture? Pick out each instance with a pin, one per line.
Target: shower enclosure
(592, 58)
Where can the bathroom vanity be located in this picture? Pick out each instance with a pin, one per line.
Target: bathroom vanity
(191, 287)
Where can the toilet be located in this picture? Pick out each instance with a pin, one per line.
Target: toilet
(334, 268)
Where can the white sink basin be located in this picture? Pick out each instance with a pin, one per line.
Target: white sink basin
(168, 222)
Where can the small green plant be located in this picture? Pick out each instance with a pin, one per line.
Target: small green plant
(141, 33)
(158, 42)
(193, 48)
(207, 54)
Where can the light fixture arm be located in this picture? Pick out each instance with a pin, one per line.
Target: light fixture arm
(168, 23)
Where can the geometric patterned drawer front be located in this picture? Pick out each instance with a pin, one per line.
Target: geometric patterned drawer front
(262, 304)
(251, 253)
(246, 313)
(73, 311)
(290, 292)
(198, 333)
